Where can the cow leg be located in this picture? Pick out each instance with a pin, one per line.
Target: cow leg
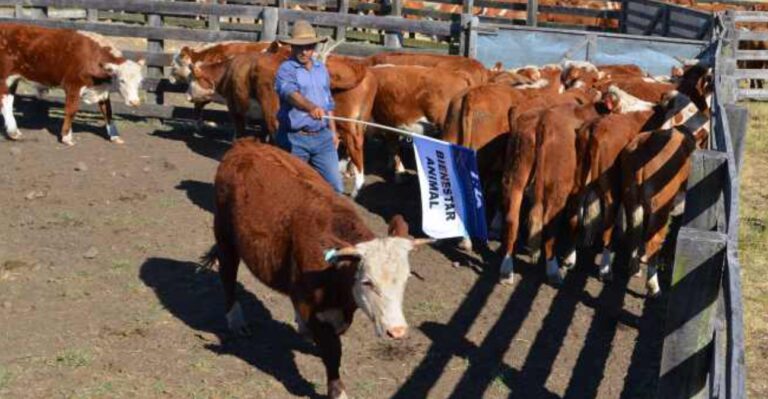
(329, 344)
(355, 143)
(229, 262)
(238, 119)
(71, 106)
(610, 210)
(11, 128)
(199, 123)
(656, 231)
(106, 111)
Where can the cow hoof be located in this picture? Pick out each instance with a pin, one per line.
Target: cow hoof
(553, 273)
(570, 261)
(236, 321)
(336, 390)
(507, 271)
(15, 135)
(116, 140)
(68, 140)
(605, 276)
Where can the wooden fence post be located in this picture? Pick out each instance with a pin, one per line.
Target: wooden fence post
(269, 24)
(155, 46)
(92, 15)
(468, 7)
(738, 118)
(341, 30)
(689, 325)
(282, 26)
(394, 39)
(704, 208)
(468, 35)
(533, 13)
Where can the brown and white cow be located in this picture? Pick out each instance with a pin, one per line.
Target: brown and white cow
(310, 245)
(186, 57)
(415, 98)
(84, 64)
(477, 72)
(611, 134)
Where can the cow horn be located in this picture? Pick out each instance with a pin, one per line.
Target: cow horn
(332, 254)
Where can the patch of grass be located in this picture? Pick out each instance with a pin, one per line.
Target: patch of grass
(365, 388)
(102, 390)
(5, 378)
(74, 358)
(753, 247)
(67, 219)
(120, 264)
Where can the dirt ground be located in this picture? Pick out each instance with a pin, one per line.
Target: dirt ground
(101, 295)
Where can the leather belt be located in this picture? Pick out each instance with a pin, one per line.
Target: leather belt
(305, 132)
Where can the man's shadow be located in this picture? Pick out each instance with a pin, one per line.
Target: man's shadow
(193, 295)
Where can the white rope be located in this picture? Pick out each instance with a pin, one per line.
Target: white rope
(384, 127)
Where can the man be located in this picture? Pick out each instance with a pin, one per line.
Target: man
(304, 88)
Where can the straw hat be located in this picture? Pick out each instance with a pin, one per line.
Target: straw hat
(303, 34)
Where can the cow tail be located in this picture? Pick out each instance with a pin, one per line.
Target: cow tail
(536, 216)
(466, 122)
(210, 259)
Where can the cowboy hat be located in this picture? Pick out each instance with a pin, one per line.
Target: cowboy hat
(303, 34)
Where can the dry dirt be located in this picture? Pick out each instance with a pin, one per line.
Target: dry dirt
(101, 295)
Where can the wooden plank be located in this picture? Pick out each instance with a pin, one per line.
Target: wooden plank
(704, 208)
(282, 24)
(696, 273)
(750, 74)
(751, 16)
(754, 94)
(651, 27)
(394, 39)
(751, 35)
(759, 55)
(141, 31)
(152, 59)
(468, 6)
(92, 15)
(363, 21)
(149, 7)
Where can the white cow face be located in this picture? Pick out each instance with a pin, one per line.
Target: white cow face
(380, 283)
(128, 77)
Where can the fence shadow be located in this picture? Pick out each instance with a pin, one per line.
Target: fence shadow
(194, 296)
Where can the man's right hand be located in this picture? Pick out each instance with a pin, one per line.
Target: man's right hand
(317, 113)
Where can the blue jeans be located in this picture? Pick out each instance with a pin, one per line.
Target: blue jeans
(318, 150)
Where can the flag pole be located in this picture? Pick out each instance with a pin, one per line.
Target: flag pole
(383, 127)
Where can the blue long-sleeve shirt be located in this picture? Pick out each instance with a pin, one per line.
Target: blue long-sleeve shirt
(313, 84)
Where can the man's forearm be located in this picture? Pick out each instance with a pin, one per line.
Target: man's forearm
(298, 101)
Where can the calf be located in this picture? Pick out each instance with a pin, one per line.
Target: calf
(84, 64)
(186, 57)
(414, 98)
(301, 239)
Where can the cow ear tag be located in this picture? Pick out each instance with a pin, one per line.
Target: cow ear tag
(328, 254)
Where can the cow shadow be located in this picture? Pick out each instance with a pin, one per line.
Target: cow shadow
(199, 193)
(194, 296)
(209, 142)
(33, 114)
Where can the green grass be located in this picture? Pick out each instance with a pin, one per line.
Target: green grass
(5, 378)
(753, 248)
(74, 358)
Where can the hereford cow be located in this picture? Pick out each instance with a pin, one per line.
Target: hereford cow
(84, 64)
(477, 72)
(415, 98)
(610, 135)
(181, 67)
(300, 238)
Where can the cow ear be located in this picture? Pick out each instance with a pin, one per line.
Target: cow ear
(611, 102)
(273, 47)
(498, 67)
(398, 227)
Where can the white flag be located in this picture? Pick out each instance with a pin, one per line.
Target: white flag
(451, 195)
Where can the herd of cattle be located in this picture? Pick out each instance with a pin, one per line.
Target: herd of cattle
(575, 141)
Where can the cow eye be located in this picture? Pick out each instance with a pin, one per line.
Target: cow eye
(367, 283)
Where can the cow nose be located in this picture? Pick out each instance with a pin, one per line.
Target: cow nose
(134, 103)
(397, 332)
